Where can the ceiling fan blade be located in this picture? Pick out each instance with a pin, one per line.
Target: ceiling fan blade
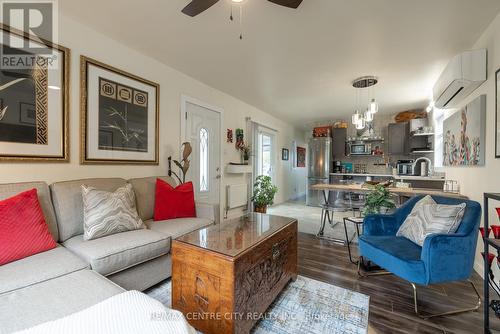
(196, 7)
(287, 3)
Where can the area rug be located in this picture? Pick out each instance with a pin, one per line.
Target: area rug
(305, 306)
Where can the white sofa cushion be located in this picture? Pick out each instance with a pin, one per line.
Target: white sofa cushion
(114, 253)
(39, 268)
(174, 228)
(53, 299)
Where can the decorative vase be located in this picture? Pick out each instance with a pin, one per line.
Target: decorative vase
(483, 234)
(260, 209)
(496, 231)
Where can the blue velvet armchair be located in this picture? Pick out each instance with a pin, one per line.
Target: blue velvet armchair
(443, 257)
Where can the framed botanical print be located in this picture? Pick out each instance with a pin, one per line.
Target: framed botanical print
(119, 116)
(33, 98)
(497, 116)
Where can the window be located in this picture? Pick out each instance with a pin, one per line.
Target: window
(203, 160)
(438, 117)
(265, 155)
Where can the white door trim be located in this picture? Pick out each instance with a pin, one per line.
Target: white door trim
(185, 99)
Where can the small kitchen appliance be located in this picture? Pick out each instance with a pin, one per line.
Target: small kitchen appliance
(405, 167)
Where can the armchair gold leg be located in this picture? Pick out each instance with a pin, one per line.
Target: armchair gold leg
(475, 308)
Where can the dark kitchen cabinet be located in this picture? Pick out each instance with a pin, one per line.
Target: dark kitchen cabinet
(398, 137)
(338, 147)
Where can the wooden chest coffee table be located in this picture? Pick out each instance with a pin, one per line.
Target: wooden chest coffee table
(225, 276)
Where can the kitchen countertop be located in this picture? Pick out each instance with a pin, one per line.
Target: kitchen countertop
(398, 177)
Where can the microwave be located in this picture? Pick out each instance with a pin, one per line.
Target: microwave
(359, 148)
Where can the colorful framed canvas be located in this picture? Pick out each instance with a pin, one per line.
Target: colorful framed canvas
(464, 135)
(285, 154)
(33, 98)
(301, 156)
(119, 116)
(497, 111)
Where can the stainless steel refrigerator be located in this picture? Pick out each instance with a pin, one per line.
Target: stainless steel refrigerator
(319, 166)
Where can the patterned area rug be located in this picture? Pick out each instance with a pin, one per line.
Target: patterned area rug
(305, 306)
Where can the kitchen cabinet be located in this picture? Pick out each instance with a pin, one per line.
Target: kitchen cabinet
(398, 136)
(338, 147)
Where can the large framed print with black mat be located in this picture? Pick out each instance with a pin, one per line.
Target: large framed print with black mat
(33, 98)
(497, 116)
(119, 116)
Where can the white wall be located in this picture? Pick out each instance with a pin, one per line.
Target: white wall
(474, 181)
(84, 41)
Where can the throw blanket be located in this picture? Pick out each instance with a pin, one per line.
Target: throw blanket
(128, 312)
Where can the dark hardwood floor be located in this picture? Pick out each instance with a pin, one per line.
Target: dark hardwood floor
(391, 298)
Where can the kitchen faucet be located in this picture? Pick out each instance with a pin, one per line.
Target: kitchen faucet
(430, 170)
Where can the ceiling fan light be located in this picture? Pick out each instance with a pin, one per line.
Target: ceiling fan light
(373, 106)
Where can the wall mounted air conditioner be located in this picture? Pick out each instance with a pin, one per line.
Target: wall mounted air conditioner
(462, 76)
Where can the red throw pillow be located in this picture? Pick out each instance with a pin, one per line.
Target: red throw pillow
(23, 231)
(173, 202)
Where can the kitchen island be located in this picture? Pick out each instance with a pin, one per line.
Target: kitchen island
(407, 192)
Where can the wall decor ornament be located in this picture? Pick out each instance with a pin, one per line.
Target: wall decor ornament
(229, 136)
(301, 156)
(119, 116)
(497, 116)
(33, 99)
(239, 138)
(464, 135)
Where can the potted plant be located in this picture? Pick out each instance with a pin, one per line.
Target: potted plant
(263, 193)
(379, 200)
(245, 151)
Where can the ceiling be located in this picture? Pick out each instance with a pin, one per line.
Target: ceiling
(299, 64)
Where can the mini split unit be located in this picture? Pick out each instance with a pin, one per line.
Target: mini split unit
(464, 73)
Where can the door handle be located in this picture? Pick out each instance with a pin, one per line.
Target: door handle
(218, 176)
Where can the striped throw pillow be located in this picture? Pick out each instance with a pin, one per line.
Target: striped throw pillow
(431, 219)
(106, 213)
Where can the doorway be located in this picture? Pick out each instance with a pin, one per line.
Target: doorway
(202, 128)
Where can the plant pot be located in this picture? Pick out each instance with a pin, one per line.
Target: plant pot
(260, 209)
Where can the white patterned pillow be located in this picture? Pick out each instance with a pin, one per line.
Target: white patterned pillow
(429, 219)
(106, 213)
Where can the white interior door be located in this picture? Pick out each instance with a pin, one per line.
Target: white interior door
(203, 132)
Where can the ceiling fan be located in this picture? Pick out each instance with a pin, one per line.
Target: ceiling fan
(196, 7)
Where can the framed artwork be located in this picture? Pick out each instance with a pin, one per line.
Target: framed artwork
(301, 156)
(497, 111)
(465, 135)
(33, 99)
(285, 154)
(119, 116)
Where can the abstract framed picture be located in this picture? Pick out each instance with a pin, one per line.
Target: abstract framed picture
(465, 135)
(33, 98)
(119, 116)
(301, 156)
(497, 116)
(285, 154)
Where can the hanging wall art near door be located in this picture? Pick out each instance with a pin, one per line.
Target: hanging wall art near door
(301, 156)
(119, 116)
(33, 98)
(464, 135)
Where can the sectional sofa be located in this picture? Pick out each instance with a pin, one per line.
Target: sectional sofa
(78, 274)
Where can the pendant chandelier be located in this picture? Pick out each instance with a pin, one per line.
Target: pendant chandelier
(362, 85)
